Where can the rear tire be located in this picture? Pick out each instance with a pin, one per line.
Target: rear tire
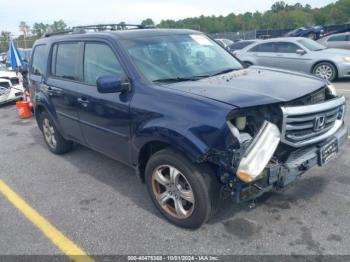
(52, 137)
(325, 70)
(188, 199)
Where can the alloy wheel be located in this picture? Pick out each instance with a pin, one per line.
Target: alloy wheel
(173, 191)
(49, 133)
(324, 71)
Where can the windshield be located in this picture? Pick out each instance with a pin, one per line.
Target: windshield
(179, 57)
(311, 44)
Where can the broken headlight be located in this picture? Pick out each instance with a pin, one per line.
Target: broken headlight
(259, 152)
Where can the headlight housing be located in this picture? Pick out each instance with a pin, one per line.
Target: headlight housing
(332, 89)
(259, 153)
(347, 59)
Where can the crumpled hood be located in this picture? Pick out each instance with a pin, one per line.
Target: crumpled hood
(253, 86)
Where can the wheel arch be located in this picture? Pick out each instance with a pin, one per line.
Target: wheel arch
(145, 146)
(325, 61)
(40, 107)
(152, 147)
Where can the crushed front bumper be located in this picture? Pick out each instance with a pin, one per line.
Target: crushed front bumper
(278, 175)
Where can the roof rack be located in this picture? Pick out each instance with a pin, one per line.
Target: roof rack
(98, 28)
(60, 32)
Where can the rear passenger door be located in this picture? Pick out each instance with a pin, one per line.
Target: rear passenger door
(104, 118)
(262, 54)
(63, 86)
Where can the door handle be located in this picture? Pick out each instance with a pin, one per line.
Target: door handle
(52, 90)
(83, 101)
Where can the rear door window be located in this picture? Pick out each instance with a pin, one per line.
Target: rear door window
(240, 45)
(337, 38)
(39, 60)
(267, 47)
(99, 60)
(65, 62)
(286, 47)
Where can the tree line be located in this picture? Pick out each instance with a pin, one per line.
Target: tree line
(280, 16)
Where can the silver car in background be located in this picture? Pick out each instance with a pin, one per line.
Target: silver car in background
(341, 41)
(224, 42)
(298, 54)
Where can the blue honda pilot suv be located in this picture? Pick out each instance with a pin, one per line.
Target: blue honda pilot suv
(196, 126)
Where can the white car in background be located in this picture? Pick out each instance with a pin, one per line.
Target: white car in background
(10, 90)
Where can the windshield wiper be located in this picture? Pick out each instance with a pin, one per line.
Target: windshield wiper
(180, 79)
(228, 70)
(195, 77)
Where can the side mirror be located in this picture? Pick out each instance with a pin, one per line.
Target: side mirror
(301, 52)
(111, 84)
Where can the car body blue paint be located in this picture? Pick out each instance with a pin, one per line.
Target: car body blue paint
(190, 116)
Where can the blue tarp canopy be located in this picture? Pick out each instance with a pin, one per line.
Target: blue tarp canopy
(15, 58)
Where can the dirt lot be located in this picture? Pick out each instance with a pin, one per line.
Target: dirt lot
(101, 206)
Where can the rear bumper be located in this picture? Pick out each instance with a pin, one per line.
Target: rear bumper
(279, 175)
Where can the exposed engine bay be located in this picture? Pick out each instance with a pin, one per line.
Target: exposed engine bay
(270, 146)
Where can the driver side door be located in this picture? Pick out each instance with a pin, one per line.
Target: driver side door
(286, 57)
(104, 117)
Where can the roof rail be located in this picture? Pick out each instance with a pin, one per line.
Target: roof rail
(98, 28)
(120, 26)
(59, 32)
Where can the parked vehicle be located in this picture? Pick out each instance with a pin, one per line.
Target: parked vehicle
(10, 75)
(344, 30)
(9, 92)
(195, 125)
(314, 32)
(241, 44)
(224, 42)
(298, 54)
(3, 58)
(341, 41)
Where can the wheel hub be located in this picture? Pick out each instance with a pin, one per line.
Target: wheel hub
(49, 133)
(173, 192)
(324, 71)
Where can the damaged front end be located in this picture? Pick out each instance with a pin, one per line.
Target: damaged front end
(271, 146)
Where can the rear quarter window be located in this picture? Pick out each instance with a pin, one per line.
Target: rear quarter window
(267, 47)
(39, 60)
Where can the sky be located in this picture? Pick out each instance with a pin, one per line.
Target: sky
(80, 12)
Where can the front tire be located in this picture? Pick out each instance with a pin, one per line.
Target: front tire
(326, 71)
(185, 193)
(52, 137)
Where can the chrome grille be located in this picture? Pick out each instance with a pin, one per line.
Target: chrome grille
(314, 98)
(309, 124)
(14, 81)
(4, 91)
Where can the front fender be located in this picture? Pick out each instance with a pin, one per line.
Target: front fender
(188, 144)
